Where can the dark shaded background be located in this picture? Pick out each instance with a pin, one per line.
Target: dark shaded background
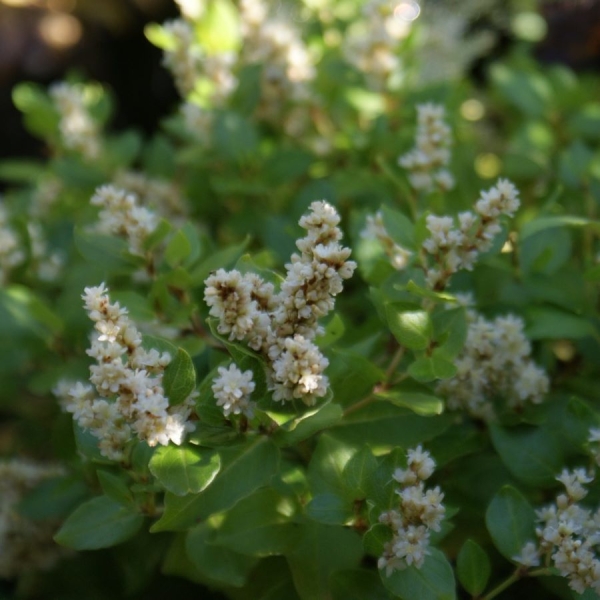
(111, 48)
(103, 40)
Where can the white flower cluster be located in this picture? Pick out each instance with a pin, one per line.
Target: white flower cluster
(375, 230)
(447, 44)
(25, 544)
(184, 58)
(427, 162)
(282, 325)
(287, 66)
(160, 195)
(373, 46)
(570, 534)
(127, 395)
(121, 215)
(419, 512)
(495, 362)
(78, 129)
(267, 40)
(457, 247)
(11, 253)
(233, 389)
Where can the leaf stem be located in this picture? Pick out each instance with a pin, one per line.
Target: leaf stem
(520, 573)
(505, 584)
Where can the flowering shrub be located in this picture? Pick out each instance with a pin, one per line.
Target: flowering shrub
(344, 306)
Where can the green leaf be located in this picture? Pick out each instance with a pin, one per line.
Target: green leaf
(21, 171)
(259, 525)
(358, 473)
(179, 379)
(352, 376)
(433, 581)
(552, 222)
(235, 138)
(422, 404)
(115, 488)
(473, 568)
(329, 509)
(106, 250)
(422, 292)
(320, 551)
(183, 469)
(53, 499)
(30, 312)
(177, 249)
(376, 538)
(553, 323)
(428, 369)
(450, 328)
(216, 563)
(300, 429)
(98, 523)
(326, 467)
(217, 260)
(529, 92)
(41, 117)
(218, 28)
(510, 520)
(357, 584)
(412, 328)
(156, 34)
(383, 425)
(399, 227)
(531, 453)
(244, 469)
(334, 330)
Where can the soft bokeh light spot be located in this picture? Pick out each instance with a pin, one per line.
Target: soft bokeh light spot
(472, 109)
(564, 350)
(488, 165)
(529, 26)
(60, 30)
(407, 10)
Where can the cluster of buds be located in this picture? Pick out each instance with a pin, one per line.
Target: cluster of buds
(452, 247)
(127, 396)
(495, 361)
(568, 534)
(287, 66)
(428, 161)
(160, 195)
(375, 230)
(78, 130)
(419, 512)
(282, 325)
(121, 215)
(373, 48)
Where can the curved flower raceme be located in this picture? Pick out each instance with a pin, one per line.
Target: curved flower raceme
(126, 397)
(281, 325)
(495, 361)
(419, 512)
(568, 534)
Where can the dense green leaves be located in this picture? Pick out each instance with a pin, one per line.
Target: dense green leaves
(184, 469)
(433, 581)
(244, 469)
(412, 328)
(473, 567)
(510, 521)
(99, 523)
(179, 379)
